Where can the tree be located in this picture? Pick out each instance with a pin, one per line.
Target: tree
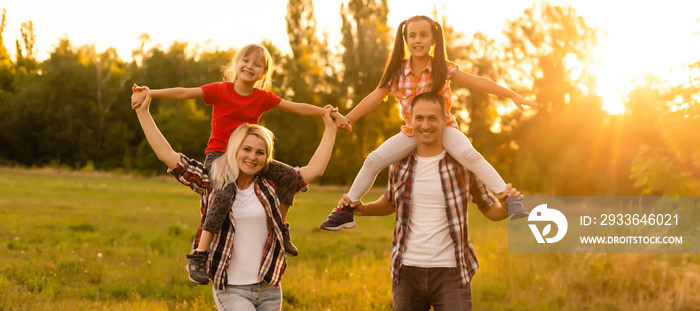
(558, 149)
(669, 163)
(26, 53)
(6, 65)
(300, 77)
(552, 48)
(366, 41)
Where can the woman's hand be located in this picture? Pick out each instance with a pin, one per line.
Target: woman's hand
(328, 121)
(138, 94)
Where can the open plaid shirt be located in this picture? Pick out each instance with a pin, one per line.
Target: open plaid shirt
(457, 184)
(409, 84)
(192, 173)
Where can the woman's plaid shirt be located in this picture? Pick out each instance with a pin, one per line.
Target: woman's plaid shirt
(193, 174)
(457, 184)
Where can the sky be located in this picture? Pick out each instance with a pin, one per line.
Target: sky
(639, 36)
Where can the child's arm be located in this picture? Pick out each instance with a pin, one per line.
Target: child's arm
(367, 104)
(311, 110)
(319, 161)
(155, 138)
(485, 85)
(175, 93)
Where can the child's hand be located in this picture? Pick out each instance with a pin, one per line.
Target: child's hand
(342, 123)
(519, 101)
(138, 94)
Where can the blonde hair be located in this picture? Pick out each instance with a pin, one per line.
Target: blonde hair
(224, 169)
(265, 82)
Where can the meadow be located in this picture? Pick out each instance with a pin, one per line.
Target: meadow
(107, 241)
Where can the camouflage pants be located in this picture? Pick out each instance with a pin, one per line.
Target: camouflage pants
(285, 178)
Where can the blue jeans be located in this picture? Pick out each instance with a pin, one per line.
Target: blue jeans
(258, 297)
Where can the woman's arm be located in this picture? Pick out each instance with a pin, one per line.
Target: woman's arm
(319, 161)
(485, 85)
(155, 138)
(367, 104)
(138, 93)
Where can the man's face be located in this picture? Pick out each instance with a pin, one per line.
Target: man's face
(427, 120)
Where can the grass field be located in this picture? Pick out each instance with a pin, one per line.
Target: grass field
(98, 241)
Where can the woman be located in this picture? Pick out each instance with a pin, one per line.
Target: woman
(255, 257)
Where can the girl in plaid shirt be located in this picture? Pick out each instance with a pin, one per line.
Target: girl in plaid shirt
(242, 98)
(426, 69)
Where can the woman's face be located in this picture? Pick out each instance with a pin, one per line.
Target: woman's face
(250, 157)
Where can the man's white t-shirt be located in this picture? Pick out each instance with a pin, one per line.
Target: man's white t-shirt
(428, 243)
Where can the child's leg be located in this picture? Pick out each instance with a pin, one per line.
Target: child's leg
(458, 146)
(393, 149)
(213, 220)
(219, 208)
(287, 179)
(216, 213)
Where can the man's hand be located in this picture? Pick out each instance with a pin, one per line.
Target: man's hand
(509, 192)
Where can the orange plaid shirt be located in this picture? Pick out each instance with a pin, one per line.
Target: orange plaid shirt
(409, 84)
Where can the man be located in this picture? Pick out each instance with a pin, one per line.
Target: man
(432, 258)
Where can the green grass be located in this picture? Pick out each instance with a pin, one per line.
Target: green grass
(97, 241)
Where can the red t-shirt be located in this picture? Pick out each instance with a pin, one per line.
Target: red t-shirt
(230, 109)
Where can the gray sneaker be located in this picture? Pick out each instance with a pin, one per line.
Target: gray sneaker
(197, 267)
(340, 218)
(515, 208)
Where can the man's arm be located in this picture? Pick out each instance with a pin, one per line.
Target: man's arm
(498, 210)
(380, 207)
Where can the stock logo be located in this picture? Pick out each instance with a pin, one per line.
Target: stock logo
(542, 213)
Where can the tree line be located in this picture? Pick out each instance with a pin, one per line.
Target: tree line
(72, 110)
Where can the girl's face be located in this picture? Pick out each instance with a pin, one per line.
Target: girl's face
(250, 68)
(419, 38)
(251, 155)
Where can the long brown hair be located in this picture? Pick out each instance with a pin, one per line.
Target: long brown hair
(398, 55)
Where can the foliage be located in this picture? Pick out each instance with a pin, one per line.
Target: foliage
(71, 110)
(366, 41)
(672, 165)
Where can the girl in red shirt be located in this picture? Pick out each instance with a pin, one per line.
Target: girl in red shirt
(242, 98)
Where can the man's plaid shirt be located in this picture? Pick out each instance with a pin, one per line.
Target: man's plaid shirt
(457, 184)
(192, 173)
